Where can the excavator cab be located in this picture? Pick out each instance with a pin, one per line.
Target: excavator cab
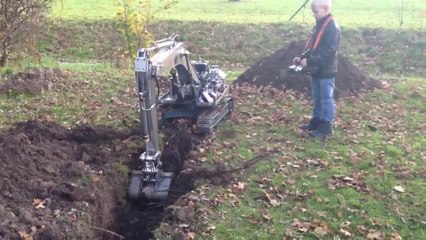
(201, 66)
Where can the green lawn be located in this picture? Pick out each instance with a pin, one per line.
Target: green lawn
(361, 184)
(360, 13)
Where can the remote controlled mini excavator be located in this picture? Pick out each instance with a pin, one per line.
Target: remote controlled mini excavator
(196, 91)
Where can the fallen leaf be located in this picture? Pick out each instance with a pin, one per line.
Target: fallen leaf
(239, 187)
(291, 181)
(39, 203)
(349, 179)
(321, 231)
(301, 226)
(267, 217)
(399, 188)
(375, 235)
(362, 229)
(301, 133)
(29, 236)
(96, 178)
(288, 233)
(211, 227)
(270, 149)
(395, 236)
(345, 224)
(275, 203)
(345, 232)
(190, 236)
(322, 214)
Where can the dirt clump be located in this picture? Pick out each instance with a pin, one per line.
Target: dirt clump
(273, 70)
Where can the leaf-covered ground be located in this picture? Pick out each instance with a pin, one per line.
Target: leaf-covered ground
(367, 181)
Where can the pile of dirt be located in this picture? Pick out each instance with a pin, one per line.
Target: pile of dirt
(32, 81)
(60, 183)
(56, 183)
(273, 70)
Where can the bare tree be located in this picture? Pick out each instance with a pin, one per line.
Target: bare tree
(18, 20)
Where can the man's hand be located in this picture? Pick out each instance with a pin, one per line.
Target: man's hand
(299, 61)
(296, 60)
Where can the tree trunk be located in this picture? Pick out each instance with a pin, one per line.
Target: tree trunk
(3, 59)
(4, 51)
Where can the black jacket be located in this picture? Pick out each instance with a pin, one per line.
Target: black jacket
(323, 59)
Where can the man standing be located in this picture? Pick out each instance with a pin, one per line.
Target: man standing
(320, 57)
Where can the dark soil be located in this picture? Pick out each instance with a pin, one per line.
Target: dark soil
(70, 171)
(272, 70)
(60, 183)
(135, 221)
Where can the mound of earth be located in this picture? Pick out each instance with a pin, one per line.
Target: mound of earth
(60, 183)
(272, 70)
(51, 181)
(33, 81)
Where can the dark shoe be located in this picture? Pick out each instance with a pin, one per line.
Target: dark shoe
(323, 130)
(312, 125)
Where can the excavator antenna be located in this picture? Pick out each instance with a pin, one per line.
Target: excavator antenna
(298, 10)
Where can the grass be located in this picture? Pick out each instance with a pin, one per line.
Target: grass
(304, 186)
(244, 44)
(364, 13)
(301, 188)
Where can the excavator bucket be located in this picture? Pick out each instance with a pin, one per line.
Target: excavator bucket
(146, 191)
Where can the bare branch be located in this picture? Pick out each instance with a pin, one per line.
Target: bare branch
(108, 231)
(18, 20)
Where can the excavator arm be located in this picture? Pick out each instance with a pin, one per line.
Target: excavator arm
(172, 52)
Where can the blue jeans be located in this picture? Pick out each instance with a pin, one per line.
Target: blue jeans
(322, 94)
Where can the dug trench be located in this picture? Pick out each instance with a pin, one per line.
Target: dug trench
(61, 183)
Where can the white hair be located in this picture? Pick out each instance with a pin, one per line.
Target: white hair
(322, 3)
